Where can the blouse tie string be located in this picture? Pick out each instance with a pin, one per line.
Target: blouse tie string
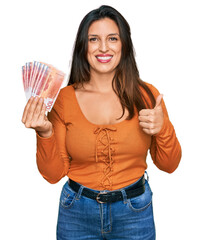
(104, 151)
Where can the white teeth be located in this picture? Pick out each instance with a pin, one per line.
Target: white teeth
(104, 58)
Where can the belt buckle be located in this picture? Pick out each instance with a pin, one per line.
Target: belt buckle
(97, 197)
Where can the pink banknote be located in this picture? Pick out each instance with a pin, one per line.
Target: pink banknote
(43, 80)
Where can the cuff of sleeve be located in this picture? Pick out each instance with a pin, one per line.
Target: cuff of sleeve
(164, 127)
(45, 139)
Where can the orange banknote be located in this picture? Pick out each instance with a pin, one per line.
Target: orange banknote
(42, 80)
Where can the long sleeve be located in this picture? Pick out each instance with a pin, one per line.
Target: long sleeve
(52, 156)
(165, 148)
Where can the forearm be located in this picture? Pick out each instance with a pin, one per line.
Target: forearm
(165, 148)
(50, 163)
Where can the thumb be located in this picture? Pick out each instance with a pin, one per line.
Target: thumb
(158, 101)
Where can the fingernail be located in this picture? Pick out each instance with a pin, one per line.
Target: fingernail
(31, 98)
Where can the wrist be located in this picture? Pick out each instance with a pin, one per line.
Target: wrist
(45, 134)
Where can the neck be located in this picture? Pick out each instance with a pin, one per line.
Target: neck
(101, 82)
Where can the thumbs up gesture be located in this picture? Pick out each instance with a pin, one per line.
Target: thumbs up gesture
(151, 120)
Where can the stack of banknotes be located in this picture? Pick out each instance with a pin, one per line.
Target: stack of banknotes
(42, 80)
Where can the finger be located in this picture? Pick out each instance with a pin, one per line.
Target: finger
(145, 112)
(30, 112)
(144, 125)
(43, 112)
(147, 119)
(149, 131)
(44, 128)
(38, 110)
(159, 100)
(26, 109)
(147, 125)
(42, 116)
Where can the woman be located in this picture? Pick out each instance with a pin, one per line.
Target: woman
(98, 134)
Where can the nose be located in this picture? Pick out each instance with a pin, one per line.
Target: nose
(103, 46)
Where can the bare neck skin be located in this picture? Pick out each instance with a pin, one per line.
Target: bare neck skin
(101, 83)
(98, 102)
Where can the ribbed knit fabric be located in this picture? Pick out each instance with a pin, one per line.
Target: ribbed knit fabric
(102, 157)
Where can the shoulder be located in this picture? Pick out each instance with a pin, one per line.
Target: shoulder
(65, 96)
(66, 91)
(65, 103)
(153, 89)
(156, 93)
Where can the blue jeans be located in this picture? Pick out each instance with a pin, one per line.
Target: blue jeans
(82, 218)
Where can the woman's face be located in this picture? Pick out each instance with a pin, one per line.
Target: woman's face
(104, 46)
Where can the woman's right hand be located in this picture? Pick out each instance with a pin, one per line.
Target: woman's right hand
(34, 117)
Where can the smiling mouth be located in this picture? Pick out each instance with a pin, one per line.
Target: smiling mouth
(104, 58)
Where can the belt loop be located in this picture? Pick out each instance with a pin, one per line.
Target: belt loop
(124, 196)
(79, 192)
(147, 176)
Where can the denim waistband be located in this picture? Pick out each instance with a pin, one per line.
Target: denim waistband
(124, 188)
(129, 191)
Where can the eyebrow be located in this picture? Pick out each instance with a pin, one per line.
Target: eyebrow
(111, 34)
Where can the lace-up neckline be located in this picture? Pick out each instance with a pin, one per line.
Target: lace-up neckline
(104, 146)
(104, 152)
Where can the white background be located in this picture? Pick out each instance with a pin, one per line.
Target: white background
(167, 36)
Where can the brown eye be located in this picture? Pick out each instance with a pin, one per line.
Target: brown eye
(93, 39)
(113, 39)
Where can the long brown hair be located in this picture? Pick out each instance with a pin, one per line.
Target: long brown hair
(126, 83)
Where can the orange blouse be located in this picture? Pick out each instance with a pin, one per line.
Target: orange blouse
(102, 156)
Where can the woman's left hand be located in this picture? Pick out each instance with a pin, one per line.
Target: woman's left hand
(151, 120)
